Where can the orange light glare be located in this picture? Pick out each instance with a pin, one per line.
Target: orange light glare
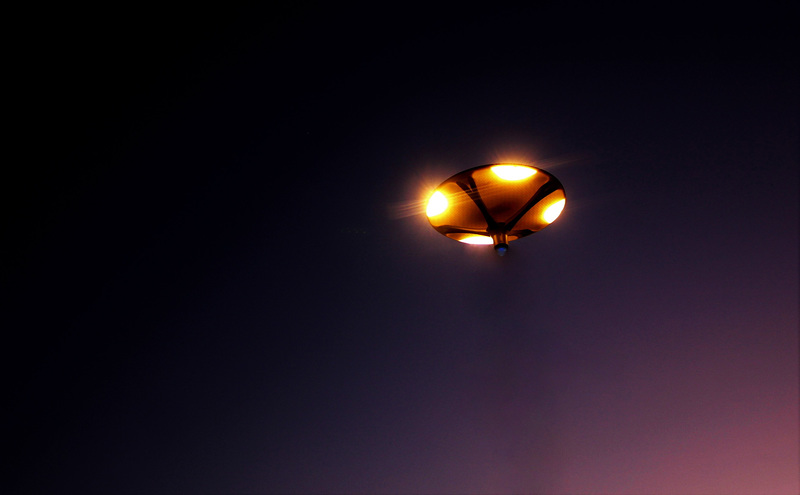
(554, 210)
(513, 172)
(437, 204)
(477, 239)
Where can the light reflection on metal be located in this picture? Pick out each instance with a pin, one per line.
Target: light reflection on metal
(495, 204)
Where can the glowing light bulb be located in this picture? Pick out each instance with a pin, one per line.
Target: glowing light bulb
(554, 210)
(513, 172)
(437, 204)
(477, 239)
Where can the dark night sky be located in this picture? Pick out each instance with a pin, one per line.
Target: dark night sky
(217, 277)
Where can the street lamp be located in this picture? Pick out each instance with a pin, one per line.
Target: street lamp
(495, 204)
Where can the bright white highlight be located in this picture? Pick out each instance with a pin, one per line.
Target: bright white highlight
(513, 172)
(477, 239)
(437, 204)
(554, 210)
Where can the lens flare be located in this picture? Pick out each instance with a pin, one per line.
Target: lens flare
(513, 172)
(437, 204)
(554, 210)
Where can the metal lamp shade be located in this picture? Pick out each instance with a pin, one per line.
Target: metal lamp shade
(495, 204)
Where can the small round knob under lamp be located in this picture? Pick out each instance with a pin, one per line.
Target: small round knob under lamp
(495, 204)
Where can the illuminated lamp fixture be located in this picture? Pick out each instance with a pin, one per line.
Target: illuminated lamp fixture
(495, 204)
